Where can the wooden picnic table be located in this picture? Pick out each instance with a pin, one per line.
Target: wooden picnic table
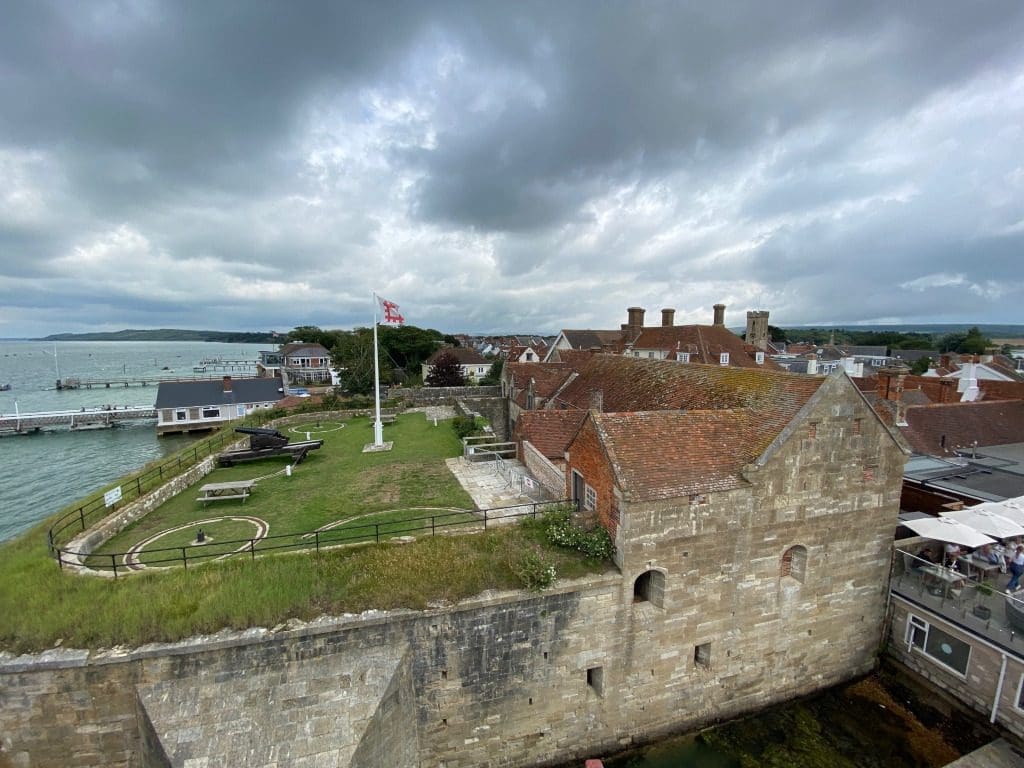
(239, 489)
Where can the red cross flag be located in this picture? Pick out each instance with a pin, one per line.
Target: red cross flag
(389, 314)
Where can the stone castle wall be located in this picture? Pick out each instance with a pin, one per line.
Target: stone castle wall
(506, 680)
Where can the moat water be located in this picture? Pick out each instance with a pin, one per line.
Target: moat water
(883, 721)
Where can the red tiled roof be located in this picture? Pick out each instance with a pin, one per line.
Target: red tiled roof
(547, 377)
(635, 384)
(664, 454)
(704, 343)
(548, 431)
(996, 422)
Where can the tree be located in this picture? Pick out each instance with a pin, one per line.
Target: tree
(494, 375)
(445, 371)
(920, 366)
(972, 343)
(353, 356)
(408, 346)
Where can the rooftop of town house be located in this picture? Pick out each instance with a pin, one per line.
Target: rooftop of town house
(574, 357)
(465, 356)
(301, 348)
(941, 430)
(546, 377)
(226, 391)
(703, 343)
(587, 339)
(624, 384)
(665, 454)
(993, 474)
(550, 432)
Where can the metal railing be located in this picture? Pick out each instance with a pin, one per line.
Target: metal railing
(70, 524)
(313, 541)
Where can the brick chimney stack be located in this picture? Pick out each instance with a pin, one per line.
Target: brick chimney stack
(597, 400)
(668, 317)
(635, 323)
(227, 383)
(719, 314)
(891, 380)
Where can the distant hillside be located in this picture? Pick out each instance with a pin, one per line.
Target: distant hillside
(171, 334)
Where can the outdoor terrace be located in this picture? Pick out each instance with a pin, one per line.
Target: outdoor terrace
(959, 598)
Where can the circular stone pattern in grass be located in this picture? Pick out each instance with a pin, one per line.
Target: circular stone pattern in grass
(223, 537)
(316, 427)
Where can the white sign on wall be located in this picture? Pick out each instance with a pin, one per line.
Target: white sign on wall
(111, 497)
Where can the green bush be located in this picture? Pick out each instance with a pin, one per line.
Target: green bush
(465, 426)
(534, 571)
(559, 529)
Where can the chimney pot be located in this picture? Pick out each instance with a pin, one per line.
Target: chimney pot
(636, 318)
(719, 314)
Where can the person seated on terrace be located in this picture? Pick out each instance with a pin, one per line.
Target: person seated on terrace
(952, 553)
(987, 554)
(925, 557)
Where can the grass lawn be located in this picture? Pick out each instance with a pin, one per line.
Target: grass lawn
(333, 485)
(41, 605)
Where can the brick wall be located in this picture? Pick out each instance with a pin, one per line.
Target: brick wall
(587, 457)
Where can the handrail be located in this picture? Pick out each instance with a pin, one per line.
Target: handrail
(136, 486)
(321, 538)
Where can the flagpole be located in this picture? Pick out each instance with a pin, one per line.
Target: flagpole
(378, 428)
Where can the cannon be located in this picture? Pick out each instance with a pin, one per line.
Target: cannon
(263, 438)
(265, 443)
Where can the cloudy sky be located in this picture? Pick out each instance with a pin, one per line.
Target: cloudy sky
(508, 166)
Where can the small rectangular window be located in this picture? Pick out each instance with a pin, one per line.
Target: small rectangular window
(595, 679)
(702, 655)
(759, 358)
(181, 415)
(589, 499)
(683, 357)
(723, 359)
(211, 413)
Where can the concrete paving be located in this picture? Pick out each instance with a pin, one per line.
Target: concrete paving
(490, 490)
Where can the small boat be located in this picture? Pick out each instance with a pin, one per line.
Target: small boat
(5, 387)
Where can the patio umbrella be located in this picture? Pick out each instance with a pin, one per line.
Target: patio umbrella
(985, 519)
(948, 531)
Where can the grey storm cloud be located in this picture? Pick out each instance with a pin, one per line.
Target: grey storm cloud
(507, 166)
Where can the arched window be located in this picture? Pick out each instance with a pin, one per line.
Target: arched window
(649, 587)
(794, 563)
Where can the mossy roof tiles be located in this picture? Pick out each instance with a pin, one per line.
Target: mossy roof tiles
(666, 454)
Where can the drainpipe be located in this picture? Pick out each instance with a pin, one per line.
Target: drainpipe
(999, 691)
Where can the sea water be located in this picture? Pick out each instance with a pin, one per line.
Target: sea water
(43, 472)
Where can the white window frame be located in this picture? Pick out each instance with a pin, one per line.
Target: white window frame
(589, 498)
(759, 358)
(915, 625)
(1017, 704)
(723, 358)
(682, 357)
(210, 412)
(181, 414)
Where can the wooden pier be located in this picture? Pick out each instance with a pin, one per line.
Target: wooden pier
(84, 418)
(126, 381)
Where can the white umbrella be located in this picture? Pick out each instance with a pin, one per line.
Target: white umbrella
(984, 518)
(949, 531)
